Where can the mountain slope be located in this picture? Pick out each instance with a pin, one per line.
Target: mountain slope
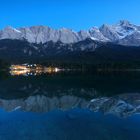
(87, 51)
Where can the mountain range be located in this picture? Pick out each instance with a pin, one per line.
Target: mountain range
(123, 33)
(121, 40)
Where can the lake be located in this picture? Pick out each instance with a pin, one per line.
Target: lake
(70, 105)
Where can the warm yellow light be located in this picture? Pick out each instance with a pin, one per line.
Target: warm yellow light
(19, 72)
(37, 70)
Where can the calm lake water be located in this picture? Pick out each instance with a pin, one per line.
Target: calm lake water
(70, 106)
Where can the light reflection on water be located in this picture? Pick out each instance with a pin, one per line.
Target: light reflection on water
(70, 106)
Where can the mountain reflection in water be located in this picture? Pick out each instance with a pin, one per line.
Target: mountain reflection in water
(121, 105)
(71, 106)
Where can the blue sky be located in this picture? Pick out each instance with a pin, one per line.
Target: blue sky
(74, 14)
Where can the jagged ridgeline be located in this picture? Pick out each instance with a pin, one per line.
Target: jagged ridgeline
(124, 33)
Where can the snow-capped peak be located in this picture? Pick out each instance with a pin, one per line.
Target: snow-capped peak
(118, 31)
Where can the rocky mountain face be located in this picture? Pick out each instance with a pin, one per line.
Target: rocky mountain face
(123, 33)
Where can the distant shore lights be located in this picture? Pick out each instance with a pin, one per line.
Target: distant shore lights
(32, 69)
